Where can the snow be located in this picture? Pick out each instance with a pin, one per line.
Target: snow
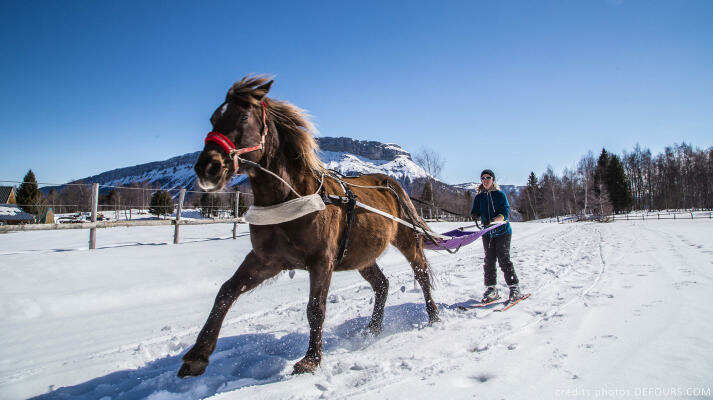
(401, 167)
(13, 212)
(468, 185)
(622, 306)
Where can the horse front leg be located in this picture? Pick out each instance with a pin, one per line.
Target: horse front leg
(249, 275)
(319, 279)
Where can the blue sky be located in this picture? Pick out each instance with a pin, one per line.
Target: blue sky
(512, 86)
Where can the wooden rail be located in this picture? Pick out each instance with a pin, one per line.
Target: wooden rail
(664, 215)
(113, 224)
(94, 224)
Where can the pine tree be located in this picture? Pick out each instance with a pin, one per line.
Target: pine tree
(29, 198)
(207, 204)
(532, 197)
(618, 185)
(212, 203)
(161, 203)
(600, 172)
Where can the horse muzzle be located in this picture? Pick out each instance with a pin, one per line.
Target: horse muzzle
(211, 171)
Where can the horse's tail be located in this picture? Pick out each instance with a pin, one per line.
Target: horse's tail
(410, 210)
(409, 213)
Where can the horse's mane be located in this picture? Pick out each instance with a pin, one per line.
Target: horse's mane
(295, 130)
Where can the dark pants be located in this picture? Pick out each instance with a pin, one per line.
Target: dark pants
(498, 248)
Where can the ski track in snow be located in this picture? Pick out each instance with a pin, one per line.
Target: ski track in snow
(113, 323)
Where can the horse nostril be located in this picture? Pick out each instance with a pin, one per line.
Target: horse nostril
(213, 168)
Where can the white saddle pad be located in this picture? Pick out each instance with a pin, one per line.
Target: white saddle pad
(284, 212)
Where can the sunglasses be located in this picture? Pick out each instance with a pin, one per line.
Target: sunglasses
(486, 178)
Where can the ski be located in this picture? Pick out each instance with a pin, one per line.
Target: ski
(510, 304)
(481, 305)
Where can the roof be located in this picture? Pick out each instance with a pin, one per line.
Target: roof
(5, 193)
(11, 212)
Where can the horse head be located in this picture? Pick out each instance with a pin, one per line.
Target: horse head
(240, 128)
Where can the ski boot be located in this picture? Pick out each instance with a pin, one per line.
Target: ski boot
(515, 293)
(491, 294)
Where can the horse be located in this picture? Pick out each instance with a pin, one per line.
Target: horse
(276, 139)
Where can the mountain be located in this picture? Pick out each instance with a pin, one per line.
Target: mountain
(346, 155)
(353, 157)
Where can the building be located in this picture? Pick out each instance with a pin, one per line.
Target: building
(7, 195)
(11, 214)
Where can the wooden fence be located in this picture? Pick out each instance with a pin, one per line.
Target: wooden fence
(664, 215)
(94, 224)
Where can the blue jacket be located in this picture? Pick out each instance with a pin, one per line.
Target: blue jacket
(488, 205)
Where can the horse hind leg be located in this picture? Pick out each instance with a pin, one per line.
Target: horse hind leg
(411, 247)
(380, 284)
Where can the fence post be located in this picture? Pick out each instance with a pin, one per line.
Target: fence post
(235, 224)
(179, 210)
(95, 203)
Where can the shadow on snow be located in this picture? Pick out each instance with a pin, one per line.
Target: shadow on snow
(238, 361)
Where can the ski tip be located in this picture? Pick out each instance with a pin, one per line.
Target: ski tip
(508, 305)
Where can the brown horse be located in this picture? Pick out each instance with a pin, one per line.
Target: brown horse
(247, 118)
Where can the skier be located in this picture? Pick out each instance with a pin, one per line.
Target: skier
(491, 205)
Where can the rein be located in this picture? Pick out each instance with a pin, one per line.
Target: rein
(228, 146)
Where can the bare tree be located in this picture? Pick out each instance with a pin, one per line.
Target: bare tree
(77, 194)
(603, 202)
(585, 168)
(550, 184)
(431, 161)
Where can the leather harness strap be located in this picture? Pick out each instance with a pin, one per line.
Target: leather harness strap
(350, 201)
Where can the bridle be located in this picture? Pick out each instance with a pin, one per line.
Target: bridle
(228, 146)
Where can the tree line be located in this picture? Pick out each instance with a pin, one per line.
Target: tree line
(680, 177)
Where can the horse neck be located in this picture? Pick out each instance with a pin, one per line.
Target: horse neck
(268, 190)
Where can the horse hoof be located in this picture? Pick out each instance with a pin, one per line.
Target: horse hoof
(305, 365)
(192, 368)
(372, 331)
(434, 320)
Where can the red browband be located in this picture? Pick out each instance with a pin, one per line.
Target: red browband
(229, 147)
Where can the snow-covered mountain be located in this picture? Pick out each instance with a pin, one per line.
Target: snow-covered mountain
(346, 155)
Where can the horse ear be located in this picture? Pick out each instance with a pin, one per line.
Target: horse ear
(262, 90)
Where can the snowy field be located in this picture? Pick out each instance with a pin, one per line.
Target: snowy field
(617, 310)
